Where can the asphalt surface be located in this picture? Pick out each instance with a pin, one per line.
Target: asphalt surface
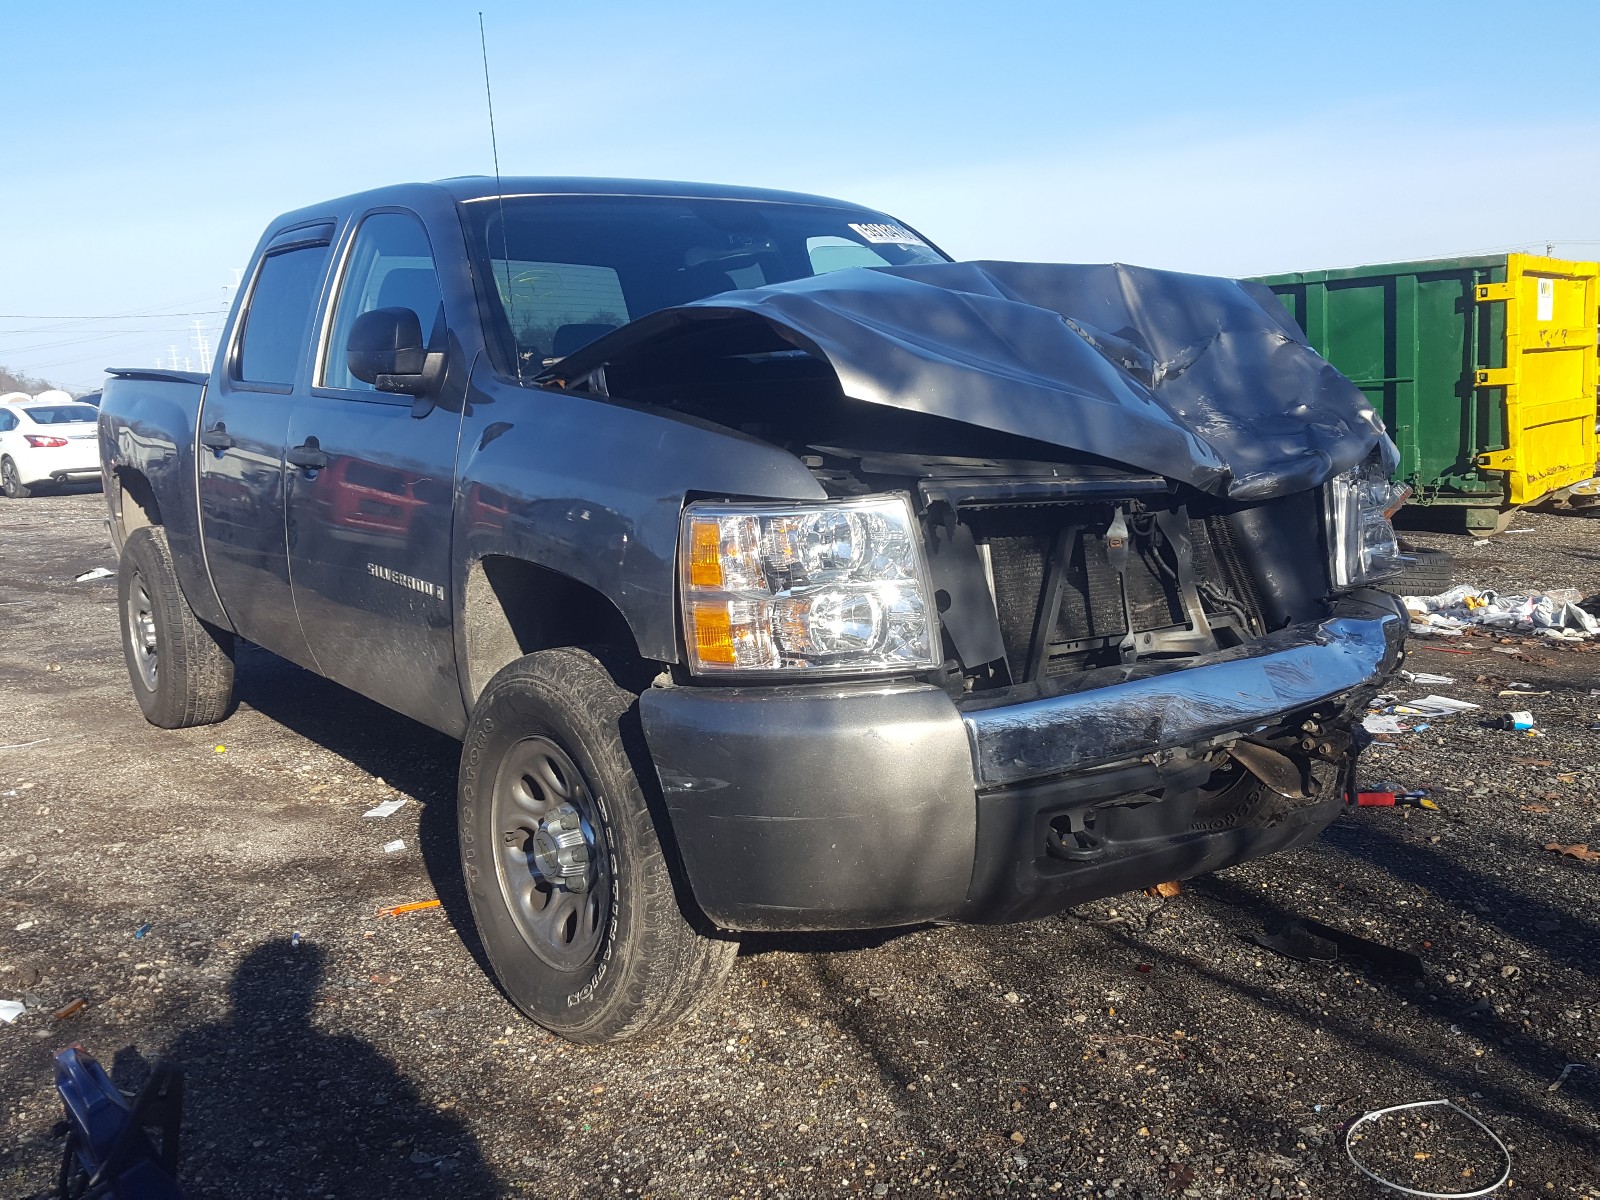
(1140, 1047)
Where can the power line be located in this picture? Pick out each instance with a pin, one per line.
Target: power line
(136, 316)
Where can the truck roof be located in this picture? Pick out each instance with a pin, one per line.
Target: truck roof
(468, 188)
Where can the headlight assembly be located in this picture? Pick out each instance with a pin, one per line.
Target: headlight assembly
(1361, 542)
(834, 588)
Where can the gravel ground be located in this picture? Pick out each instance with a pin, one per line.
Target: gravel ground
(1140, 1047)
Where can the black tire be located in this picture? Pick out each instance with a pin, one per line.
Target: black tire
(10, 482)
(180, 667)
(1431, 572)
(614, 955)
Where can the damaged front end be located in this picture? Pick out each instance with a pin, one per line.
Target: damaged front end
(1147, 650)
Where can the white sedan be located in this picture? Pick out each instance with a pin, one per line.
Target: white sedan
(47, 443)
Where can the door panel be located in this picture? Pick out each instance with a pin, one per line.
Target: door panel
(368, 533)
(243, 426)
(369, 550)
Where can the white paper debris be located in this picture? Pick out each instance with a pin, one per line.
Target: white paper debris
(387, 809)
(1554, 614)
(394, 847)
(1378, 723)
(97, 573)
(1425, 677)
(1435, 706)
(10, 1010)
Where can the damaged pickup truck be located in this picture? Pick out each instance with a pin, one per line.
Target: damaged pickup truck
(776, 572)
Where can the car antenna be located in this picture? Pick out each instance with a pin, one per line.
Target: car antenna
(505, 252)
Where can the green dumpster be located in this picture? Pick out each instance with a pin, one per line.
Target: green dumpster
(1483, 369)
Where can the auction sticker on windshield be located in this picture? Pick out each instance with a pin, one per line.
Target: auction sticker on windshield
(887, 234)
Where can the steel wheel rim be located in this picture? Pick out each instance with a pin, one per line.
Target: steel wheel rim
(541, 805)
(142, 633)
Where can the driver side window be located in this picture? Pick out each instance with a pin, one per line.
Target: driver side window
(389, 266)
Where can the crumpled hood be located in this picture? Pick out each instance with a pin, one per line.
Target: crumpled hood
(1203, 380)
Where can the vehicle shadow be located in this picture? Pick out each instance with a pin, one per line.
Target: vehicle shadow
(416, 761)
(275, 1106)
(1568, 938)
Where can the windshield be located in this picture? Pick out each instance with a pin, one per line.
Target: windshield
(62, 414)
(568, 269)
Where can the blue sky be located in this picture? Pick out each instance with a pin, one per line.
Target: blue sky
(150, 143)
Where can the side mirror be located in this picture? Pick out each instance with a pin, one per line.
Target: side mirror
(386, 350)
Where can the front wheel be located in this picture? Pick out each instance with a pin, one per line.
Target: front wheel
(567, 876)
(11, 482)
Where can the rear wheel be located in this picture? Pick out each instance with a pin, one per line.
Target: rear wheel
(10, 482)
(567, 876)
(181, 668)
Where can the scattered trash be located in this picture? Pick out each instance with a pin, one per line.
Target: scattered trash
(415, 906)
(394, 847)
(67, 1010)
(1562, 1078)
(1449, 613)
(1535, 808)
(1516, 720)
(1165, 890)
(1425, 677)
(1522, 692)
(10, 1010)
(387, 809)
(1415, 799)
(25, 745)
(1435, 706)
(1305, 940)
(1446, 649)
(1578, 850)
(1376, 723)
(220, 749)
(97, 573)
(294, 938)
(1350, 1138)
(26, 925)
(142, 932)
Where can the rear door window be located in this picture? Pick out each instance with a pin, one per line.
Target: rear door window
(557, 308)
(273, 343)
(836, 253)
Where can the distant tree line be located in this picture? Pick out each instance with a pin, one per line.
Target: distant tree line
(10, 382)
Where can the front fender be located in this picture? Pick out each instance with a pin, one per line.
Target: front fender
(593, 489)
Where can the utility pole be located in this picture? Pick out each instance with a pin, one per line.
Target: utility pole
(202, 343)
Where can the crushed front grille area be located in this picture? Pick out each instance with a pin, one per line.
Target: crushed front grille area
(1089, 585)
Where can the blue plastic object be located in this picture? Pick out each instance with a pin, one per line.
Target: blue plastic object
(109, 1152)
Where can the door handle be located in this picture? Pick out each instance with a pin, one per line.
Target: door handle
(217, 438)
(308, 455)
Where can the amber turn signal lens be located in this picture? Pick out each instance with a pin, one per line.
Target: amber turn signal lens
(705, 556)
(713, 632)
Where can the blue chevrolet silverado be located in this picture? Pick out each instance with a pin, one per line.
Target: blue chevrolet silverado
(775, 571)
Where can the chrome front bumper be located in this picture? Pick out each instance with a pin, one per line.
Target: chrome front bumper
(1120, 713)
